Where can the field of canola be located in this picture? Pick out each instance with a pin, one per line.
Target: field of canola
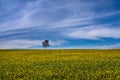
(60, 64)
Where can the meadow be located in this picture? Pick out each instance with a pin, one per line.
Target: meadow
(60, 64)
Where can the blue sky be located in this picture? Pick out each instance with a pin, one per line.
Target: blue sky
(66, 23)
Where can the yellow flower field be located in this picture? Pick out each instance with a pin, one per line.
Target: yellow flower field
(60, 64)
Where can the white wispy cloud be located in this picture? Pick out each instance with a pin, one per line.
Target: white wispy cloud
(26, 44)
(73, 21)
(23, 18)
(10, 44)
(31, 15)
(57, 42)
(93, 32)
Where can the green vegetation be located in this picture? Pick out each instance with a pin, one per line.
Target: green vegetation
(60, 64)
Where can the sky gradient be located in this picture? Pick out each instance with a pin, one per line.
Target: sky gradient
(66, 23)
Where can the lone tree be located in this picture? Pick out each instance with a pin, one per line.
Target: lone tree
(45, 43)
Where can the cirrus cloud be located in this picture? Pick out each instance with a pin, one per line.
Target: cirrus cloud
(93, 32)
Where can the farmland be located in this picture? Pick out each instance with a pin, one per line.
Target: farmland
(60, 64)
